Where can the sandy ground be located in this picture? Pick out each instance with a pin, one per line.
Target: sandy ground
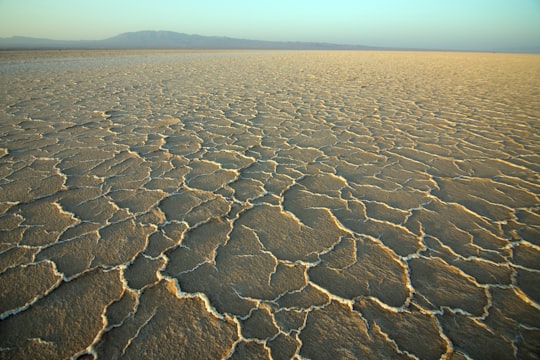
(279, 205)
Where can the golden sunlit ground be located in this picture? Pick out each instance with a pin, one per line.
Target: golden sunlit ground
(276, 205)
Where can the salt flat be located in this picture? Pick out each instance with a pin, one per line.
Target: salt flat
(276, 205)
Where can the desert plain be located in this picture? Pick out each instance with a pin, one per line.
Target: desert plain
(269, 205)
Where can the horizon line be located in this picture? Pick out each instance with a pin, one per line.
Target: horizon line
(72, 44)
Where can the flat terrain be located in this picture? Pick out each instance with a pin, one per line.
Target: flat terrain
(253, 205)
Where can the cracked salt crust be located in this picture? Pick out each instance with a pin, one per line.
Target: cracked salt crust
(269, 205)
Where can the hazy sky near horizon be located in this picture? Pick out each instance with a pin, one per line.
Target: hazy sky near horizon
(435, 24)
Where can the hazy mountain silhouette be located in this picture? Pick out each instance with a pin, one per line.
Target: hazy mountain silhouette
(167, 40)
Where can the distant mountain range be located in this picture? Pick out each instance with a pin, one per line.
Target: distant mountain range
(168, 40)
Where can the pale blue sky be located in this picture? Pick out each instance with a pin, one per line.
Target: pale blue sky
(436, 24)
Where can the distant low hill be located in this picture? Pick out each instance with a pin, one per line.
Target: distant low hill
(167, 40)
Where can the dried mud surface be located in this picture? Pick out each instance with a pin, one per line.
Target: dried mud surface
(264, 205)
